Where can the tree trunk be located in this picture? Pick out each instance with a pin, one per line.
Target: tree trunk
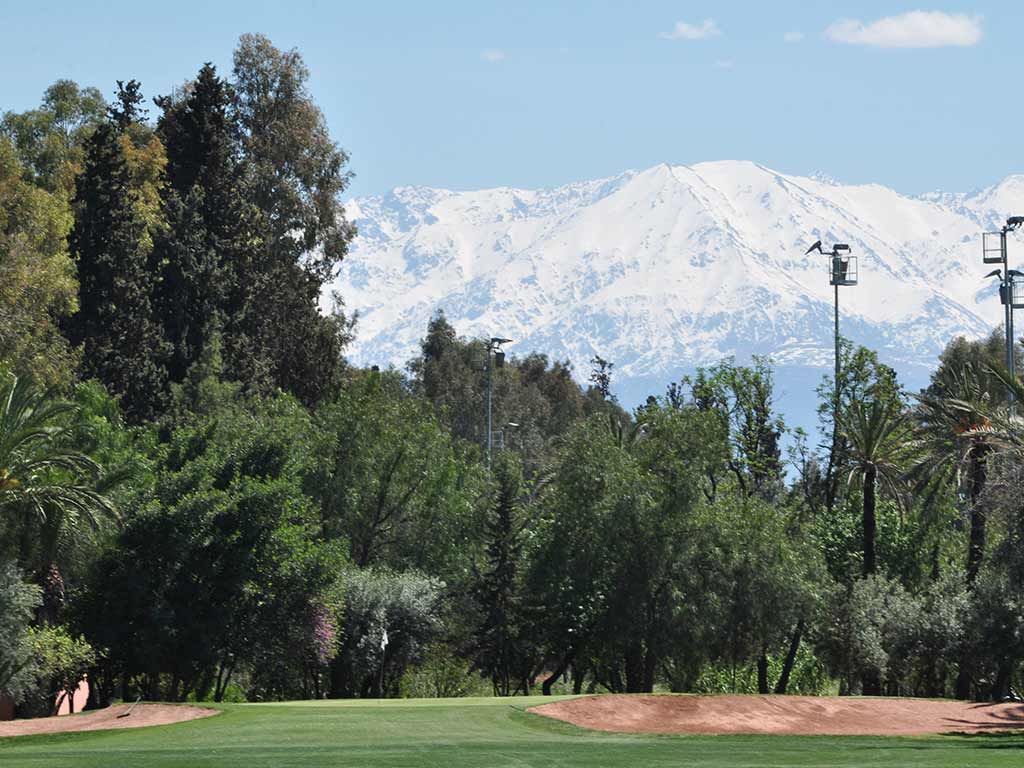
(1001, 689)
(790, 660)
(634, 669)
(559, 671)
(871, 684)
(870, 474)
(650, 665)
(762, 671)
(976, 547)
(962, 690)
(579, 675)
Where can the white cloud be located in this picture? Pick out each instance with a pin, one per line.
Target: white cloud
(493, 55)
(725, 63)
(917, 29)
(793, 36)
(684, 31)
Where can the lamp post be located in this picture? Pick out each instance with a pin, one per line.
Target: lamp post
(842, 271)
(495, 358)
(994, 251)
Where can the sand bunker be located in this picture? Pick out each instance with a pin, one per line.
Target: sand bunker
(102, 719)
(783, 715)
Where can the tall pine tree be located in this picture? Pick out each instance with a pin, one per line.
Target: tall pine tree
(123, 345)
(500, 650)
(205, 255)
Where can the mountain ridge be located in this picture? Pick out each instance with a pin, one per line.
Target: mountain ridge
(671, 267)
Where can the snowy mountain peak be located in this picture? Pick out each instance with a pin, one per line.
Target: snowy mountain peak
(671, 267)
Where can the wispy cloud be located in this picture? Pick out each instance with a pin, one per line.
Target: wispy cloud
(493, 55)
(683, 31)
(725, 63)
(917, 29)
(793, 36)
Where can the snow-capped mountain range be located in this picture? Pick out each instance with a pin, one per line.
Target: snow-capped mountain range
(673, 267)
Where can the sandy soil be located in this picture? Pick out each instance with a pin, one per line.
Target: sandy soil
(102, 719)
(783, 715)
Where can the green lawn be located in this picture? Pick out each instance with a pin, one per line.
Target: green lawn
(468, 732)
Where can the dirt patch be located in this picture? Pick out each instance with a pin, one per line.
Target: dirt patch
(102, 719)
(783, 715)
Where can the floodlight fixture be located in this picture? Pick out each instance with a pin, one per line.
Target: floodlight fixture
(1011, 291)
(498, 341)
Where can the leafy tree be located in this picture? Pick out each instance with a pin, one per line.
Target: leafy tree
(770, 573)
(18, 601)
(406, 607)
(976, 355)
(539, 396)
(216, 560)
(863, 625)
(50, 139)
(615, 551)
(440, 675)
(37, 282)
(294, 175)
(741, 398)
(390, 481)
(61, 662)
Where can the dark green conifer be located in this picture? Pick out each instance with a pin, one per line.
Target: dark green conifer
(123, 345)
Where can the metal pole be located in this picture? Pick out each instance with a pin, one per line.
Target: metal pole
(837, 355)
(1011, 358)
(490, 431)
(1008, 313)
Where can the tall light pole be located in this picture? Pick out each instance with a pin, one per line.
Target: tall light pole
(495, 358)
(994, 251)
(842, 271)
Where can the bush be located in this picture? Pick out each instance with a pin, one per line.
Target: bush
(442, 675)
(406, 607)
(18, 600)
(808, 678)
(866, 631)
(60, 663)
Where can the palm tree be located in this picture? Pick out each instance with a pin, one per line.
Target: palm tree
(878, 437)
(954, 438)
(43, 479)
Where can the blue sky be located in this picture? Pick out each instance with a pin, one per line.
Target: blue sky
(473, 94)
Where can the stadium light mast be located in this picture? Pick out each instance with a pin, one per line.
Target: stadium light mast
(495, 358)
(993, 248)
(842, 271)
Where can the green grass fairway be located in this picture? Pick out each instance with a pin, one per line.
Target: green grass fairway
(489, 733)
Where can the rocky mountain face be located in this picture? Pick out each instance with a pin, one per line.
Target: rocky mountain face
(673, 267)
